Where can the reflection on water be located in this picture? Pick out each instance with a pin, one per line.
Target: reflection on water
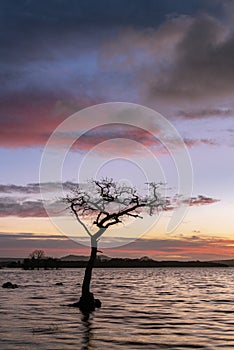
(141, 309)
(87, 332)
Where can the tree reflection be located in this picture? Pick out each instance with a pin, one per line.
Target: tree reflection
(86, 320)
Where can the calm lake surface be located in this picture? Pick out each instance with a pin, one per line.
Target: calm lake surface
(168, 308)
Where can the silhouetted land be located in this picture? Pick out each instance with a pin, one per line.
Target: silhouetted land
(106, 262)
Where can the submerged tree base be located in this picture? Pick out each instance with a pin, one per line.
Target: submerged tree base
(87, 303)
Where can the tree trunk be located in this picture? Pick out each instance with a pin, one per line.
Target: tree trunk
(88, 272)
(87, 303)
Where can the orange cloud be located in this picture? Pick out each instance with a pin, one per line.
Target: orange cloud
(184, 248)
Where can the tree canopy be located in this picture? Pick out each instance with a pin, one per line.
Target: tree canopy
(109, 203)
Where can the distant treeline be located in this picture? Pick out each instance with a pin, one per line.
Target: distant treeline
(32, 264)
(52, 263)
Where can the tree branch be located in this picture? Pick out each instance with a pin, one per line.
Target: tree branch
(78, 219)
(119, 214)
(109, 202)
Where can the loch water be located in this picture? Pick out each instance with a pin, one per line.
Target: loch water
(142, 308)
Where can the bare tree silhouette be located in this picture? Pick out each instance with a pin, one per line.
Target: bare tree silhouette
(108, 203)
(37, 254)
(36, 257)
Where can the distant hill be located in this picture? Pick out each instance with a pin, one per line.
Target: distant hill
(73, 261)
(226, 262)
(11, 259)
(83, 258)
(71, 257)
(118, 262)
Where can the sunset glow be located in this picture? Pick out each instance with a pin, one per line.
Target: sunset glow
(176, 59)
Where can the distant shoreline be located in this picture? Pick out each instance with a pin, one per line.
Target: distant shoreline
(75, 262)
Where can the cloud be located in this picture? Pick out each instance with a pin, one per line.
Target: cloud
(201, 200)
(177, 248)
(29, 208)
(195, 142)
(54, 18)
(30, 236)
(137, 47)
(183, 248)
(115, 138)
(29, 189)
(177, 201)
(185, 59)
(23, 202)
(11, 207)
(22, 244)
(33, 188)
(59, 58)
(206, 113)
(28, 118)
(22, 206)
(127, 133)
(201, 66)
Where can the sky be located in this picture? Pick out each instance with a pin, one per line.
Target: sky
(174, 57)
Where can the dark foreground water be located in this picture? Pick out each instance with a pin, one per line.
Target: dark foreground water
(142, 309)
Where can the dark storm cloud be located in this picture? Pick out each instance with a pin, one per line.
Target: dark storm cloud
(56, 58)
(202, 66)
(60, 15)
(33, 31)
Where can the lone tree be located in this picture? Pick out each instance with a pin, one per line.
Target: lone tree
(107, 203)
(36, 257)
(37, 254)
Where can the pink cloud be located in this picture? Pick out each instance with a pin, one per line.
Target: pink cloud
(201, 200)
(27, 120)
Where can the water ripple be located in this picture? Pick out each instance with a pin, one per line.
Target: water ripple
(142, 309)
